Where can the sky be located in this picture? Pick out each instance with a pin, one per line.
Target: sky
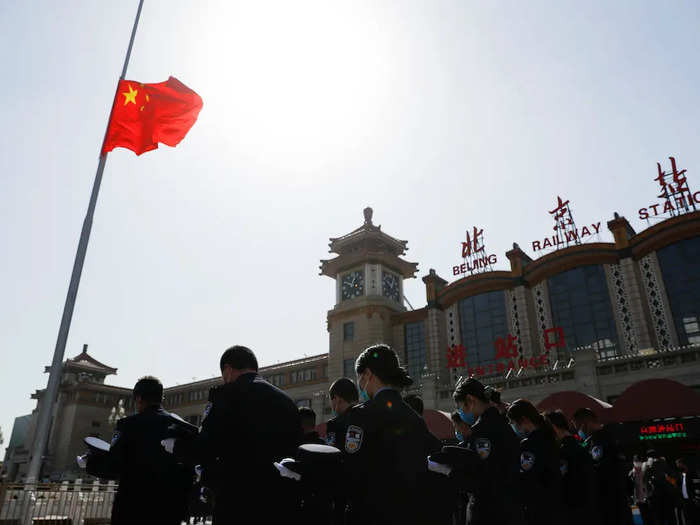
(440, 115)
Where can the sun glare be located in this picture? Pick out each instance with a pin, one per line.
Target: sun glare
(308, 80)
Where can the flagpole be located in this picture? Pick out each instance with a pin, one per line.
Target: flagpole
(48, 400)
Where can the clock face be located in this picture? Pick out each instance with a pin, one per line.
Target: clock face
(390, 287)
(353, 285)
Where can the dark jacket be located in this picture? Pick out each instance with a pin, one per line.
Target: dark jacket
(153, 485)
(385, 460)
(249, 424)
(611, 477)
(335, 430)
(540, 478)
(579, 491)
(496, 483)
(312, 438)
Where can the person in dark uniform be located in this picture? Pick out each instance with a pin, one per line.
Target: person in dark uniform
(307, 417)
(153, 485)
(610, 468)
(440, 496)
(494, 485)
(540, 476)
(578, 478)
(248, 426)
(385, 446)
(415, 402)
(343, 396)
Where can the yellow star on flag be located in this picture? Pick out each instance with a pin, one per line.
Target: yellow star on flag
(130, 96)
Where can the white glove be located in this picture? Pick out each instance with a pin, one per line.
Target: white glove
(168, 445)
(82, 461)
(285, 472)
(440, 468)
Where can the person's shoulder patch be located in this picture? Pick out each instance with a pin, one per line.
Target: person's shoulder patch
(527, 461)
(353, 439)
(564, 467)
(482, 446)
(115, 438)
(207, 409)
(597, 452)
(330, 439)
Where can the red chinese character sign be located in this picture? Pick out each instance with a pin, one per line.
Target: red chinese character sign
(554, 338)
(456, 357)
(473, 244)
(675, 193)
(565, 231)
(506, 348)
(508, 355)
(474, 254)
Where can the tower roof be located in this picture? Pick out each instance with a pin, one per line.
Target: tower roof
(368, 243)
(84, 362)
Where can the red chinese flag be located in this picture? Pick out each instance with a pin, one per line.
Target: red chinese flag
(146, 114)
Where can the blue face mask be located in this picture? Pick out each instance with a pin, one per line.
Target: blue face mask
(468, 417)
(582, 435)
(459, 436)
(364, 396)
(518, 432)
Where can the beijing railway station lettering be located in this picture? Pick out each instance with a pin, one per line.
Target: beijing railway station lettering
(675, 193)
(565, 231)
(676, 198)
(474, 254)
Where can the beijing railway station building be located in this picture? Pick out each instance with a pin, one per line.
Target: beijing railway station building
(610, 325)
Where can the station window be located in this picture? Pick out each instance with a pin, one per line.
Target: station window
(348, 331)
(414, 334)
(680, 266)
(349, 368)
(482, 320)
(581, 307)
(304, 403)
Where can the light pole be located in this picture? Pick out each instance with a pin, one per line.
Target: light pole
(116, 413)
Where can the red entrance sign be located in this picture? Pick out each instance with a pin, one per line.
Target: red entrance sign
(455, 357)
(554, 338)
(506, 348)
(662, 428)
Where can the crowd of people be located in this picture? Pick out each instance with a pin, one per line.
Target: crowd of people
(257, 458)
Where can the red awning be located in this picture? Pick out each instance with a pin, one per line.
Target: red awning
(439, 423)
(569, 401)
(655, 398)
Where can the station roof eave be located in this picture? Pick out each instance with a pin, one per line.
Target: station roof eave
(474, 285)
(86, 362)
(332, 267)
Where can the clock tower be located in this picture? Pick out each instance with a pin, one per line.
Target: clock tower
(369, 273)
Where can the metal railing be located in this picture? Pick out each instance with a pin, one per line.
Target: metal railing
(66, 503)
